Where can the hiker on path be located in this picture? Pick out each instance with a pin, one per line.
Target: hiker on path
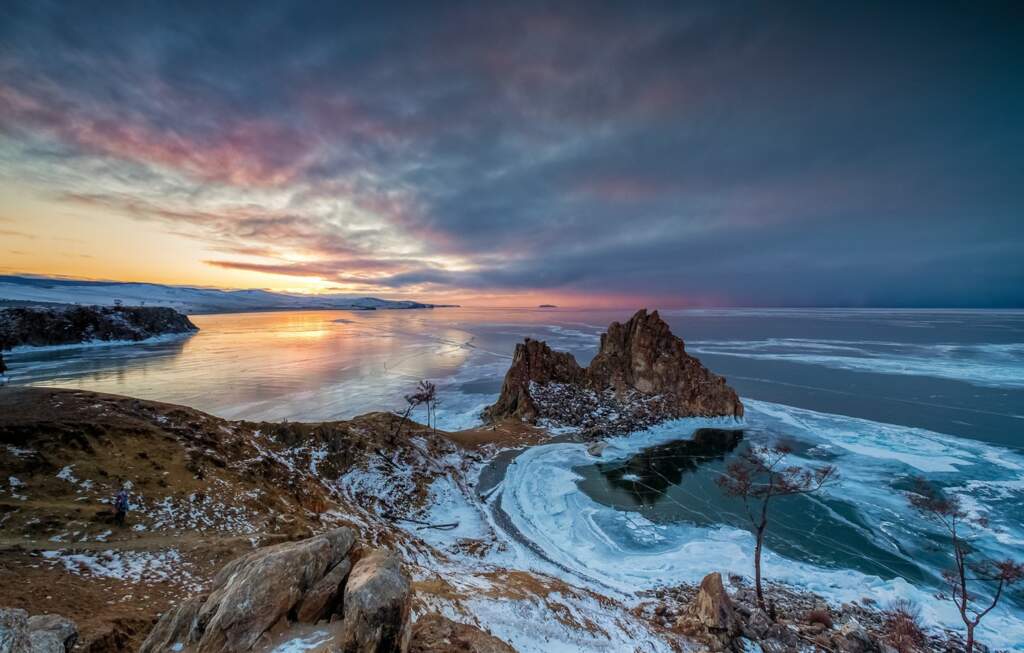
(121, 506)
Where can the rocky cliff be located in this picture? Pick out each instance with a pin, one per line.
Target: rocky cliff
(533, 363)
(643, 355)
(641, 375)
(67, 325)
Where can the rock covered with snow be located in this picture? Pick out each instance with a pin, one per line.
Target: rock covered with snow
(641, 375)
(47, 633)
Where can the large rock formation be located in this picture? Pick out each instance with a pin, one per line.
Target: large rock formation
(67, 325)
(641, 375)
(643, 355)
(533, 362)
(268, 595)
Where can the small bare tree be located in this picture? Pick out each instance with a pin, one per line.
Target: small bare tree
(424, 395)
(969, 569)
(759, 475)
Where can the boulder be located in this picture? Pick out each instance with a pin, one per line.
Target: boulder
(176, 628)
(710, 617)
(597, 448)
(757, 625)
(320, 601)
(250, 595)
(433, 633)
(13, 631)
(532, 362)
(52, 633)
(853, 638)
(48, 633)
(713, 608)
(377, 606)
(640, 367)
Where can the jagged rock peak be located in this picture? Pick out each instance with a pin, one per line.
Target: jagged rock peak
(644, 355)
(532, 362)
(638, 360)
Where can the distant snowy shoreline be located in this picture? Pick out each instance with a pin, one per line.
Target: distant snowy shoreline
(193, 301)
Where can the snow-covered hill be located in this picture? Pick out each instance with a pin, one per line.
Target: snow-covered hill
(183, 298)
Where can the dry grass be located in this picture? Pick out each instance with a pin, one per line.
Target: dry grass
(819, 616)
(903, 628)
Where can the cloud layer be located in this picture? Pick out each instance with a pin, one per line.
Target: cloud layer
(782, 154)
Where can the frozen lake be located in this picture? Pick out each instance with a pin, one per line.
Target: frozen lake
(883, 395)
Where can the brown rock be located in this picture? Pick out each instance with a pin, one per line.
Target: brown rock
(377, 606)
(175, 627)
(641, 357)
(433, 633)
(712, 606)
(533, 361)
(250, 595)
(320, 601)
(645, 356)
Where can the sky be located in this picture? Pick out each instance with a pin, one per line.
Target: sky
(585, 154)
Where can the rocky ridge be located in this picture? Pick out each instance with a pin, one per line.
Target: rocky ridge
(640, 376)
(67, 325)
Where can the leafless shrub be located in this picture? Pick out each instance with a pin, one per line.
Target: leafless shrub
(902, 627)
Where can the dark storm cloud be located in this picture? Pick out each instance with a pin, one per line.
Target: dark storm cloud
(782, 153)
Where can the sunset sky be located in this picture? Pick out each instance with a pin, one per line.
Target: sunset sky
(809, 153)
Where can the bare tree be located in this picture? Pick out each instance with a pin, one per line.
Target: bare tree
(969, 569)
(424, 395)
(759, 475)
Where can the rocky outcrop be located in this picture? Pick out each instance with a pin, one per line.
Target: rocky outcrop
(48, 633)
(377, 606)
(436, 634)
(265, 594)
(641, 375)
(67, 325)
(712, 610)
(533, 363)
(643, 355)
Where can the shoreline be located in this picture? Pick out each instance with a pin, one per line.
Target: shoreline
(90, 344)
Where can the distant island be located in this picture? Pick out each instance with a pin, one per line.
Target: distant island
(547, 306)
(35, 291)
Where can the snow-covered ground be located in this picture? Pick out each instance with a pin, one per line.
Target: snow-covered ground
(184, 298)
(605, 547)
